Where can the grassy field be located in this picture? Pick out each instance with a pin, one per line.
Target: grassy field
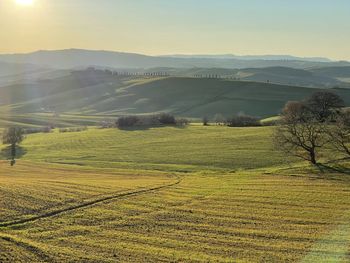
(169, 148)
(195, 194)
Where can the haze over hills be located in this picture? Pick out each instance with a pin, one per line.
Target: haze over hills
(254, 57)
(7, 69)
(286, 70)
(279, 75)
(109, 84)
(102, 93)
(72, 58)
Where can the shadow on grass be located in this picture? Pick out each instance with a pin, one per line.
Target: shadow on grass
(5, 153)
(334, 167)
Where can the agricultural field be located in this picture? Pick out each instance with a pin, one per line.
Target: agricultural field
(193, 194)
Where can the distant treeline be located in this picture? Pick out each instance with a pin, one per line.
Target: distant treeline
(48, 129)
(163, 119)
(149, 120)
(136, 73)
(121, 73)
(239, 120)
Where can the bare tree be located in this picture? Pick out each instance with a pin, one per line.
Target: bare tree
(296, 111)
(302, 140)
(308, 126)
(324, 105)
(299, 134)
(339, 133)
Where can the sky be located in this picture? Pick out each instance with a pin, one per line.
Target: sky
(307, 28)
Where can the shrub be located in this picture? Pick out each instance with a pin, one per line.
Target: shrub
(205, 121)
(182, 122)
(243, 121)
(165, 118)
(73, 129)
(127, 121)
(107, 124)
(147, 120)
(38, 130)
(219, 119)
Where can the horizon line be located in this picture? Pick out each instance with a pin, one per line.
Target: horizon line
(173, 54)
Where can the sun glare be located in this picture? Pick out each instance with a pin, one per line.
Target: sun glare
(25, 2)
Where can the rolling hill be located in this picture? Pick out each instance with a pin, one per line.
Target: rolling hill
(339, 73)
(277, 75)
(102, 94)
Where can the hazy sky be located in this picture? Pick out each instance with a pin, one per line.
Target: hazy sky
(296, 27)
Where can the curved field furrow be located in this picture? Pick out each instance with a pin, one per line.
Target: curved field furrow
(182, 223)
(87, 204)
(13, 249)
(106, 210)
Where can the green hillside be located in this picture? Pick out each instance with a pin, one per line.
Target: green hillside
(91, 96)
(199, 97)
(276, 75)
(195, 147)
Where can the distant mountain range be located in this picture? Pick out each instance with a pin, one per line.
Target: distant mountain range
(255, 57)
(73, 58)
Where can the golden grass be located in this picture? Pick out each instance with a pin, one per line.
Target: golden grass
(248, 217)
(228, 213)
(32, 189)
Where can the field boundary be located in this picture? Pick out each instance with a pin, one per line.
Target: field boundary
(88, 204)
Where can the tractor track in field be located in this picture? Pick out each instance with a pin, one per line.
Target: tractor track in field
(88, 204)
(40, 255)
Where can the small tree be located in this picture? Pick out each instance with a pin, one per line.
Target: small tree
(13, 136)
(324, 105)
(205, 121)
(219, 119)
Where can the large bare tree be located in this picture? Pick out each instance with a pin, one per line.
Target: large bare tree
(299, 134)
